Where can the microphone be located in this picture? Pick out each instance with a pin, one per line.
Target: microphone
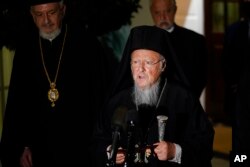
(132, 116)
(118, 124)
(131, 120)
(162, 120)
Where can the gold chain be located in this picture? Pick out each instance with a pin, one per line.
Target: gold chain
(53, 93)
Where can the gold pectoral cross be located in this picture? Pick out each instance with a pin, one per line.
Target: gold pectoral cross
(53, 94)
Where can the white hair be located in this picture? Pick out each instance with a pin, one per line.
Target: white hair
(147, 96)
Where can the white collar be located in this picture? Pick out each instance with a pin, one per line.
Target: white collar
(171, 29)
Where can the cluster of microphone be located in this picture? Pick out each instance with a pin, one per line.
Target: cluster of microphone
(123, 121)
(126, 121)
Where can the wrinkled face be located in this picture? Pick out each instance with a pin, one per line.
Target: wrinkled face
(163, 13)
(48, 17)
(146, 67)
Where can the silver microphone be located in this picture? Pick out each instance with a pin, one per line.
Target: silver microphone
(162, 120)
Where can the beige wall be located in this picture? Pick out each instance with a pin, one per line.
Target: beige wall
(6, 58)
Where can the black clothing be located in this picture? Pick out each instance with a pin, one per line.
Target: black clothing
(191, 50)
(38, 2)
(60, 135)
(187, 124)
(241, 126)
(236, 49)
(236, 64)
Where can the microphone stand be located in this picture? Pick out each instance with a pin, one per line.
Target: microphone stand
(114, 149)
(129, 152)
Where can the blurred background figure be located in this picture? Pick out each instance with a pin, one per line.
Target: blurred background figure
(236, 62)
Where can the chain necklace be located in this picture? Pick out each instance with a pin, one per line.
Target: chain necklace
(53, 93)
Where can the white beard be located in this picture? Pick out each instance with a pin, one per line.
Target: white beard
(50, 36)
(147, 96)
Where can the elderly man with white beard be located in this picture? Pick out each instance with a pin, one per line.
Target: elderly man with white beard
(146, 86)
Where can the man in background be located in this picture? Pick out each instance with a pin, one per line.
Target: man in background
(236, 63)
(57, 86)
(190, 47)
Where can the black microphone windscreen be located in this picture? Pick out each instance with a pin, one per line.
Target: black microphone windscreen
(119, 118)
(132, 115)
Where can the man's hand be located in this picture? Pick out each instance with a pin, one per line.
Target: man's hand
(164, 150)
(120, 156)
(26, 158)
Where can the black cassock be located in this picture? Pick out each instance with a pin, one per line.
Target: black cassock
(60, 135)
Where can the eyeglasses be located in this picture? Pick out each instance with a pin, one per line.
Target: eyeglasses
(146, 63)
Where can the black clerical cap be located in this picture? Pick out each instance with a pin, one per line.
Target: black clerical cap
(150, 37)
(39, 2)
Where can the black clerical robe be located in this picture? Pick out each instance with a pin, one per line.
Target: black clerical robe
(60, 135)
(191, 51)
